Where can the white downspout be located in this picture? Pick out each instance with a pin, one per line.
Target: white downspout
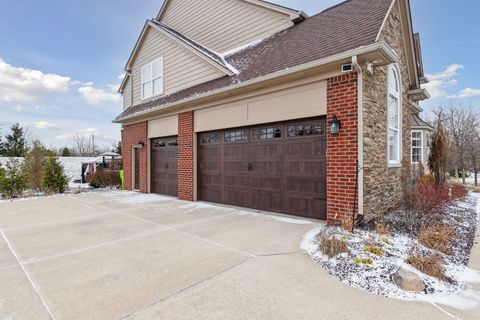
(359, 70)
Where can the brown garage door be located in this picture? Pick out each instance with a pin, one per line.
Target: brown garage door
(276, 167)
(164, 172)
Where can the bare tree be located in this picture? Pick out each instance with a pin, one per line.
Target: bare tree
(460, 124)
(81, 144)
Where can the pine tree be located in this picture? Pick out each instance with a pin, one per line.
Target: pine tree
(437, 160)
(13, 182)
(54, 179)
(66, 152)
(15, 143)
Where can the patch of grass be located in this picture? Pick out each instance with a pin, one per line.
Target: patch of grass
(367, 261)
(347, 224)
(431, 265)
(332, 246)
(437, 238)
(376, 250)
(387, 241)
(382, 230)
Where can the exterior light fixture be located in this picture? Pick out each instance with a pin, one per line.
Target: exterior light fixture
(140, 145)
(334, 125)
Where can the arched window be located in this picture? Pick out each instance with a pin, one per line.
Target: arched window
(394, 115)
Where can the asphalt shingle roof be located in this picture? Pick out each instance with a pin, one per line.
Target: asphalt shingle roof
(349, 25)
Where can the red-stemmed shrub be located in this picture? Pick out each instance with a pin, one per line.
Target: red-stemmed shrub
(431, 196)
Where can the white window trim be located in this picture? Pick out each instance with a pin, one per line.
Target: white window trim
(421, 147)
(395, 164)
(151, 79)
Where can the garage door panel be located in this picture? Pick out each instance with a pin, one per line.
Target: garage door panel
(164, 166)
(211, 193)
(270, 201)
(236, 196)
(310, 208)
(279, 167)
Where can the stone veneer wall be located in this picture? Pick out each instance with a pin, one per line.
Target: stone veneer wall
(186, 156)
(132, 135)
(342, 149)
(382, 188)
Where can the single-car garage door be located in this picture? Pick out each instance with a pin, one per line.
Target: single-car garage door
(164, 161)
(275, 167)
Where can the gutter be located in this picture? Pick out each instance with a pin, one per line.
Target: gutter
(381, 47)
(359, 70)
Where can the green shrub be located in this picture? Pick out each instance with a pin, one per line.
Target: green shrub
(12, 181)
(367, 261)
(376, 250)
(54, 179)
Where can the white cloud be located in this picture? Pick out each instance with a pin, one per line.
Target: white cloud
(46, 125)
(121, 76)
(469, 92)
(114, 87)
(440, 81)
(20, 84)
(86, 133)
(95, 96)
(449, 72)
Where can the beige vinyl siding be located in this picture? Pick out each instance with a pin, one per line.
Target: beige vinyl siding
(182, 69)
(224, 24)
(127, 94)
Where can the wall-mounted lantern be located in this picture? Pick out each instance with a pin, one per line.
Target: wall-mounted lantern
(140, 145)
(334, 125)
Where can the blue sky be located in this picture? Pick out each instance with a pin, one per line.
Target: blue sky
(60, 60)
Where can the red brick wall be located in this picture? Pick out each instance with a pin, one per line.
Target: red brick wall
(132, 135)
(185, 156)
(342, 149)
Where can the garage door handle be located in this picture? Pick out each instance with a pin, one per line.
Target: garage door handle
(166, 165)
(250, 166)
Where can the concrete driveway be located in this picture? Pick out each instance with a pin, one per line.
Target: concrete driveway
(123, 255)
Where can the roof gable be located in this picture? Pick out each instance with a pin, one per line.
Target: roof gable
(210, 57)
(410, 41)
(295, 15)
(223, 25)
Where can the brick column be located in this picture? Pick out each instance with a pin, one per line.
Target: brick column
(185, 156)
(132, 135)
(342, 149)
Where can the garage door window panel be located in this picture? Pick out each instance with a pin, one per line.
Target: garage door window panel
(267, 133)
(304, 130)
(236, 136)
(211, 138)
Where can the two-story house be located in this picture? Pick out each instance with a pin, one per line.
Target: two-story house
(252, 104)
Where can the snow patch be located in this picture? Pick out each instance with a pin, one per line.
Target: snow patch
(134, 198)
(241, 48)
(377, 277)
(291, 220)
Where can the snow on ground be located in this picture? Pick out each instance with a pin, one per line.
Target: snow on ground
(377, 277)
(71, 165)
(149, 200)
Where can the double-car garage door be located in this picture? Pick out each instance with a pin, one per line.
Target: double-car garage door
(278, 167)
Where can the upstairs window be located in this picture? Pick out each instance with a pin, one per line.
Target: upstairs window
(394, 116)
(152, 79)
(417, 147)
